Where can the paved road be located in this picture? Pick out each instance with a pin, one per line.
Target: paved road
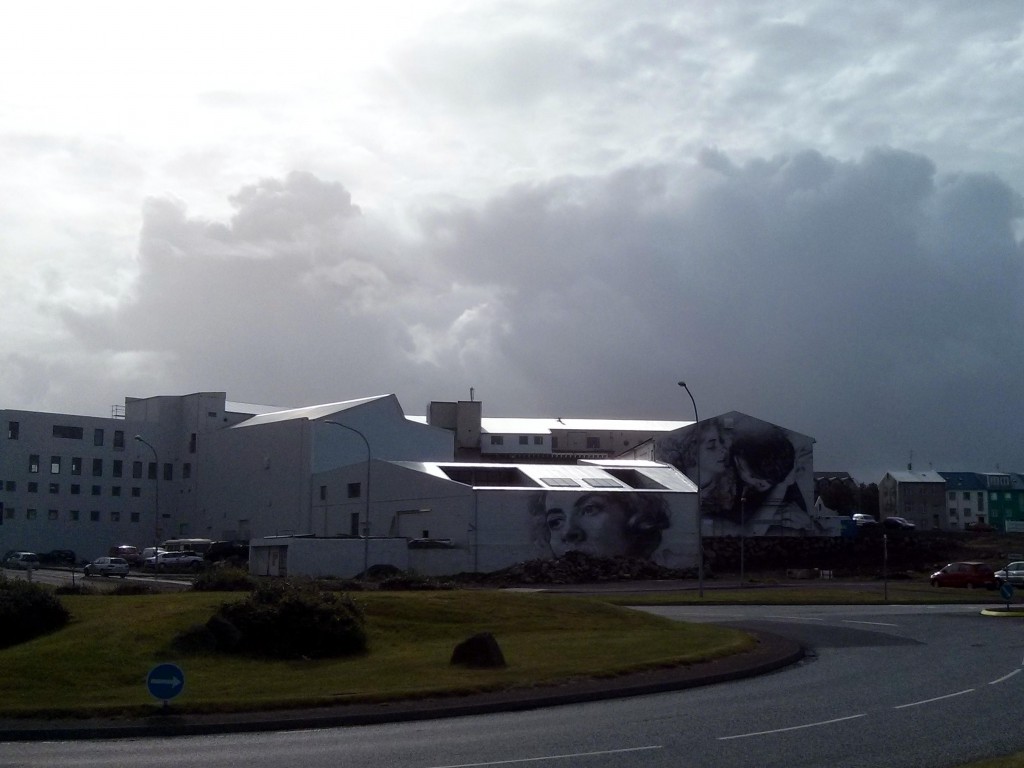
(902, 687)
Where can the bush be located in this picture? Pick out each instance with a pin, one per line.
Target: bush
(296, 620)
(133, 588)
(27, 611)
(74, 589)
(224, 579)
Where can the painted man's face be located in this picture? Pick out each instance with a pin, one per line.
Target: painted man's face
(592, 523)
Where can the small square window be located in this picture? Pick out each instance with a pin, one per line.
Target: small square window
(136, 492)
(117, 470)
(33, 487)
(75, 489)
(54, 487)
(12, 430)
(55, 465)
(135, 517)
(30, 514)
(115, 490)
(33, 463)
(73, 515)
(10, 486)
(94, 515)
(52, 514)
(76, 465)
(97, 490)
(524, 439)
(115, 517)
(97, 437)
(355, 490)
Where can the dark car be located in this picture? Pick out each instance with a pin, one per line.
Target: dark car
(965, 574)
(893, 523)
(59, 557)
(980, 526)
(228, 552)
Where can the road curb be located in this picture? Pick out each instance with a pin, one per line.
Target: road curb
(773, 652)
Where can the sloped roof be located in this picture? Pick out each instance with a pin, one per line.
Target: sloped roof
(545, 426)
(311, 412)
(913, 476)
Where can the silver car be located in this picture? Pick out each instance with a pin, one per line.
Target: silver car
(107, 566)
(24, 561)
(1012, 573)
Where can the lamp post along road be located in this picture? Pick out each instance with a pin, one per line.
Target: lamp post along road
(156, 507)
(366, 521)
(700, 532)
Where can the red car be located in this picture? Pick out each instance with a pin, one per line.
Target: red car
(966, 574)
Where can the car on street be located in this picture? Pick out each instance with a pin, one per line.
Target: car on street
(58, 557)
(969, 574)
(128, 552)
(107, 566)
(176, 561)
(1013, 573)
(22, 561)
(894, 523)
(980, 526)
(864, 520)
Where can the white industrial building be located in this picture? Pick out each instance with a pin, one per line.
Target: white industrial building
(332, 488)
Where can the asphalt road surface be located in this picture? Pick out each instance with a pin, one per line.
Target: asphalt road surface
(893, 686)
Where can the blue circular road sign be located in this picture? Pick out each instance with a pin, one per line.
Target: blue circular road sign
(165, 681)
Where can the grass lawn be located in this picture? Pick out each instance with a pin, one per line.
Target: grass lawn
(97, 664)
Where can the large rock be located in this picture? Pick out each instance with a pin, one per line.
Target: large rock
(480, 650)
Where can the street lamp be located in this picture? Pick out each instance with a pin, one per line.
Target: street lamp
(700, 533)
(156, 505)
(366, 522)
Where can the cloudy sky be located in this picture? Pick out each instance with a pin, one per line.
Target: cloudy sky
(810, 211)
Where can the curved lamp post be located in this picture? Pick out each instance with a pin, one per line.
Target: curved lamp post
(366, 522)
(700, 533)
(156, 515)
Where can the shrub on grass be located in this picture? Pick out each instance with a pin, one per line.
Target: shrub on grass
(74, 589)
(27, 611)
(224, 579)
(133, 588)
(296, 620)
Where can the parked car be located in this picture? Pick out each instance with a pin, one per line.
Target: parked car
(107, 566)
(894, 523)
(980, 526)
(22, 561)
(965, 574)
(862, 519)
(176, 561)
(128, 552)
(1012, 573)
(230, 552)
(58, 557)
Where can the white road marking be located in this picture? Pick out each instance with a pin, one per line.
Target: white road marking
(791, 728)
(1005, 677)
(873, 623)
(937, 698)
(551, 757)
(794, 618)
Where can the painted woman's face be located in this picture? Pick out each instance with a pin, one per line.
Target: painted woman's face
(592, 523)
(714, 454)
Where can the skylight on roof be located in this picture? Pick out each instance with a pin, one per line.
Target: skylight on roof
(560, 482)
(602, 482)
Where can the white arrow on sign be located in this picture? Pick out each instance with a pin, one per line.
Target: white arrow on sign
(173, 682)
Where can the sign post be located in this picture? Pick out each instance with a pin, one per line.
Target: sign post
(165, 681)
(1006, 592)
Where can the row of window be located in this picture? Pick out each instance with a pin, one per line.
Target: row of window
(75, 466)
(11, 486)
(73, 515)
(99, 434)
(525, 440)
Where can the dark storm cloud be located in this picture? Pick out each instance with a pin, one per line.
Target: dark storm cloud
(874, 305)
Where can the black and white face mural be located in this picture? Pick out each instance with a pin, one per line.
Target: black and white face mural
(612, 524)
(755, 478)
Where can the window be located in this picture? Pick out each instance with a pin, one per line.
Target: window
(186, 471)
(97, 467)
(967, 495)
(560, 482)
(119, 438)
(524, 439)
(9, 513)
(168, 471)
(192, 443)
(10, 486)
(593, 443)
(54, 487)
(152, 470)
(73, 515)
(12, 430)
(497, 439)
(952, 495)
(353, 524)
(115, 517)
(76, 465)
(137, 470)
(981, 501)
(355, 490)
(94, 516)
(538, 440)
(75, 489)
(323, 493)
(30, 514)
(68, 433)
(97, 490)
(97, 436)
(33, 487)
(136, 492)
(118, 469)
(33, 463)
(52, 514)
(135, 517)
(115, 490)
(55, 465)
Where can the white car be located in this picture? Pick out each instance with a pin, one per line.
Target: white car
(1012, 573)
(25, 561)
(107, 566)
(176, 561)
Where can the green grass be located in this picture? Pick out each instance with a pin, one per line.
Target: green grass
(97, 665)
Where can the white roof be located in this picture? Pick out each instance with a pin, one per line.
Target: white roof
(545, 426)
(911, 476)
(311, 412)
